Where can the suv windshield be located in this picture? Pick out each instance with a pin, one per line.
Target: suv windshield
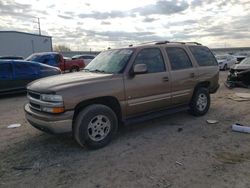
(111, 61)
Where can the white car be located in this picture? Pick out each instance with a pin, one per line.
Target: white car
(226, 61)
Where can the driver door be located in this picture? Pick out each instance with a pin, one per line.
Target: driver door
(149, 91)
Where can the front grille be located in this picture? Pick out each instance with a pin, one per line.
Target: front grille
(36, 103)
(35, 106)
(34, 95)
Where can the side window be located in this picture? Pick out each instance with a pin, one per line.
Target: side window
(203, 56)
(5, 71)
(26, 70)
(152, 57)
(178, 58)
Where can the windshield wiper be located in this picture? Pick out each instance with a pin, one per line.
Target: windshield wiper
(97, 70)
(86, 70)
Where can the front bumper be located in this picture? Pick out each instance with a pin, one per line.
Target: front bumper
(52, 123)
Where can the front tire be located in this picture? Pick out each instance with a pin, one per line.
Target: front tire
(95, 126)
(200, 102)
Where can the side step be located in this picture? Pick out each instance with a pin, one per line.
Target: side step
(153, 115)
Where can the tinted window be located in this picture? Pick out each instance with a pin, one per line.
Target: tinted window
(178, 58)
(26, 70)
(5, 71)
(203, 56)
(152, 57)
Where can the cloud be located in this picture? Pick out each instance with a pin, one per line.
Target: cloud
(104, 15)
(12, 8)
(162, 7)
(149, 20)
(105, 23)
(65, 17)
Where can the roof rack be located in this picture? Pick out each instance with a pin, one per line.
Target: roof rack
(150, 42)
(162, 42)
(193, 43)
(166, 42)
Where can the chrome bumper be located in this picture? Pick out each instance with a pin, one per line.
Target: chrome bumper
(58, 123)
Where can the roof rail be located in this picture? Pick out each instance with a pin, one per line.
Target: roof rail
(193, 43)
(162, 42)
(150, 42)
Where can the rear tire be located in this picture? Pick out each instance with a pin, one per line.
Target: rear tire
(200, 102)
(225, 67)
(74, 69)
(95, 126)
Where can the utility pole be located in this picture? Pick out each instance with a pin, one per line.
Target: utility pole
(39, 26)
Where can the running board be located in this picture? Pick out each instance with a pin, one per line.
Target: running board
(153, 115)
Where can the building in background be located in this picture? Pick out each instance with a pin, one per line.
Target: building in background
(15, 43)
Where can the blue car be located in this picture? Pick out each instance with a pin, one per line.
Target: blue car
(16, 74)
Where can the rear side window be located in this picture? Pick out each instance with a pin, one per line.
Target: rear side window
(152, 57)
(203, 56)
(178, 58)
(26, 70)
(5, 71)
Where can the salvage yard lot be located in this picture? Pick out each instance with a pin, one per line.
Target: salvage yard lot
(174, 151)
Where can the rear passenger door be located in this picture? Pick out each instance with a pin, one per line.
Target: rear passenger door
(6, 76)
(25, 72)
(149, 91)
(208, 69)
(183, 75)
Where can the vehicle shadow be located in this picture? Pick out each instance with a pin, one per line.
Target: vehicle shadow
(13, 95)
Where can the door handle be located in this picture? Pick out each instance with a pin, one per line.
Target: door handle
(192, 75)
(165, 79)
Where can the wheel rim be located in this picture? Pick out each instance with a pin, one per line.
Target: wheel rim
(99, 127)
(201, 102)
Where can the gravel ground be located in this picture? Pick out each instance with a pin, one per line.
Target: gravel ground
(174, 151)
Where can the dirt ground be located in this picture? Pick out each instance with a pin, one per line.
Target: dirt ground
(174, 151)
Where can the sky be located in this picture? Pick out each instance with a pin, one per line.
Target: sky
(99, 24)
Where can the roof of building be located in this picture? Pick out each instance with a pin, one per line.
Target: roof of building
(20, 32)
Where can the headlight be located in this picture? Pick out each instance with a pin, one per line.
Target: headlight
(51, 98)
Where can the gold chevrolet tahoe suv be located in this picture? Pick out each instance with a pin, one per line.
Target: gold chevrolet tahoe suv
(122, 86)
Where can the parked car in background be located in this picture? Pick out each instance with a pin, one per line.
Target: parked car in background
(241, 55)
(226, 61)
(239, 75)
(16, 74)
(87, 58)
(57, 60)
(11, 57)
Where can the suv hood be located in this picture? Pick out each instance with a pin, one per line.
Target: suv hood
(58, 82)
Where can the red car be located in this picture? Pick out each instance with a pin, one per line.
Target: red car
(57, 60)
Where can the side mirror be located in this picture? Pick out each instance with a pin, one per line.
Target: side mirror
(140, 69)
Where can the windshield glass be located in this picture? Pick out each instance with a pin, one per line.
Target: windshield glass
(111, 61)
(33, 57)
(245, 61)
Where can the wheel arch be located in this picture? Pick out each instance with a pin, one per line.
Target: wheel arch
(205, 84)
(109, 101)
